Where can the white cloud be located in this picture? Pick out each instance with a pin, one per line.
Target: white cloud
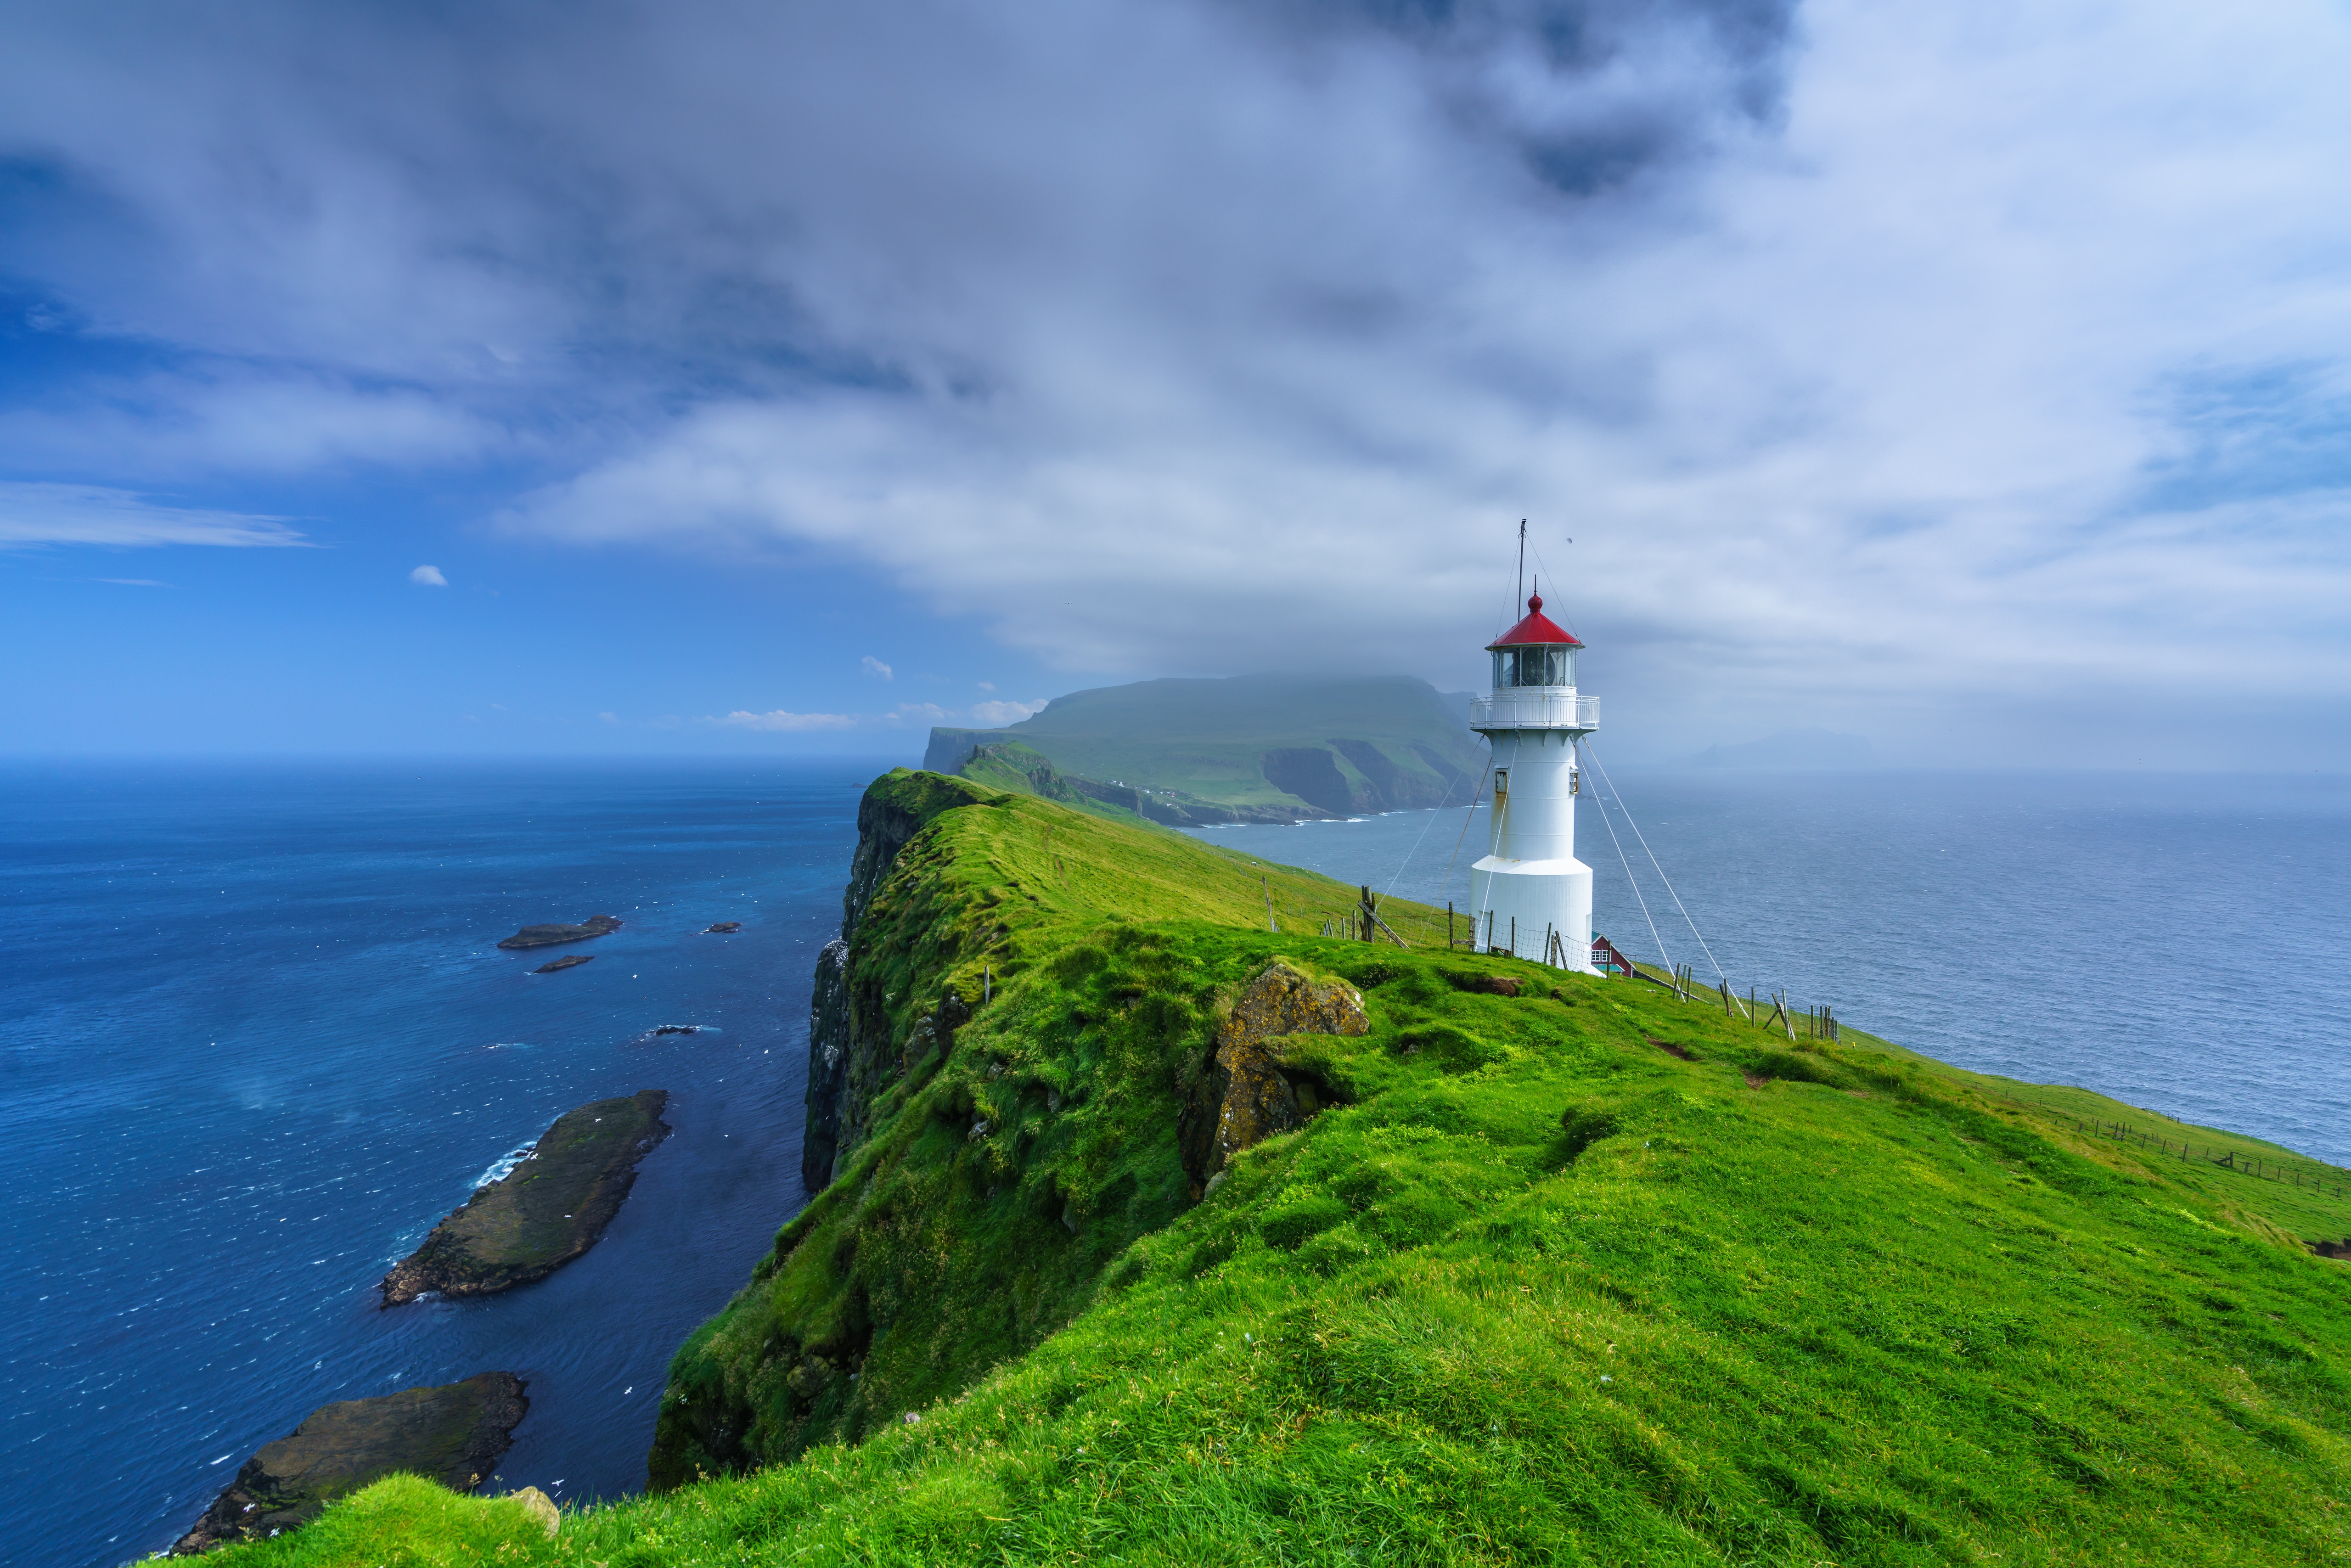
(1906, 359)
(1003, 712)
(610, 717)
(428, 577)
(986, 685)
(245, 422)
(131, 581)
(873, 666)
(780, 721)
(39, 514)
(914, 713)
(1862, 408)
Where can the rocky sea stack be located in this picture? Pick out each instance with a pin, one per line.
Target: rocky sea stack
(550, 936)
(550, 1210)
(453, 1434)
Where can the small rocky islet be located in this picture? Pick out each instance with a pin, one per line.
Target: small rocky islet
(722, 928)
(453, 1434)
(547, 1210)
(554, 934)
(552, 1207)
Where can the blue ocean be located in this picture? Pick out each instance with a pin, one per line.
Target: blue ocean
(260, 1038)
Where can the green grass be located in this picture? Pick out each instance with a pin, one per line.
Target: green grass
(1532, 1288)
(1011, 766)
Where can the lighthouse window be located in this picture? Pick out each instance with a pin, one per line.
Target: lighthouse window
(1535, 667)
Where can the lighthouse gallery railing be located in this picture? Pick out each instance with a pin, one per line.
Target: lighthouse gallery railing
(1534, 708)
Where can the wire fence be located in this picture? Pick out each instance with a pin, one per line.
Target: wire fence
(2325, 1179)
(1368, 919)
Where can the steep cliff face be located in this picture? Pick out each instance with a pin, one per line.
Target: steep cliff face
(851, 1051)
(988, 1159)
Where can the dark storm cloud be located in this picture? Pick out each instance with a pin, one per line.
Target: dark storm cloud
(1835, 339)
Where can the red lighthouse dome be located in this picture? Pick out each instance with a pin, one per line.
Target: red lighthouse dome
(1537, 628)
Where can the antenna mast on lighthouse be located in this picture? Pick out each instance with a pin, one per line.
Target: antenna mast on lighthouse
(1521, 593)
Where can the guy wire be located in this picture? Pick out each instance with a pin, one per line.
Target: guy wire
(1653, 861)
(1628, 865)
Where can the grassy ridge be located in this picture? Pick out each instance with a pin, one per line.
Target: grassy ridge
(1533, 1288)
(1209, 739)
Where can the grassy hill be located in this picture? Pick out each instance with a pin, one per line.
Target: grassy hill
(1269, 747)
(1557, 1270)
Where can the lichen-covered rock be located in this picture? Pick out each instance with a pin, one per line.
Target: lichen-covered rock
(540, 1507)
(1256, 1100)
(453, 1434)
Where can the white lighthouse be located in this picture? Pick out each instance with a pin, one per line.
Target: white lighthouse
(1531, 888)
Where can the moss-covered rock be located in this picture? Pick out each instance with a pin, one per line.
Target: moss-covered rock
(1254, 1097)
(453, 1434)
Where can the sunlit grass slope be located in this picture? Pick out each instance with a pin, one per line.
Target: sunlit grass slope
(1534, 1289)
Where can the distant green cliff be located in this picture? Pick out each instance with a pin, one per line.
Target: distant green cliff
(1273, 748)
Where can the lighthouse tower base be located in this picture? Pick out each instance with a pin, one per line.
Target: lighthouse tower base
(1519, 905)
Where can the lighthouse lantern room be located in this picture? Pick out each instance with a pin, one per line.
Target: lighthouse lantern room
(1529, 894)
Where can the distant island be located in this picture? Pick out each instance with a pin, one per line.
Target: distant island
(550, 1210)
(550, 936)
(568, 961)
(1252, 748)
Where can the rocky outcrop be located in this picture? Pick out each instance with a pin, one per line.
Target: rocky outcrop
(550, 936)
(828, 1070)
(568, 961)
(453, 1434)
(851, 1051)
(547, 1210)
(1250, 1096)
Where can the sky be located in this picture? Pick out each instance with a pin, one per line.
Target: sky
(1967, 375)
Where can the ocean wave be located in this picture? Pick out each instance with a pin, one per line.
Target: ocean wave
(504, 1165)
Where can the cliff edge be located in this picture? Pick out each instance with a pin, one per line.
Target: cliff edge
(1162, 1227)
